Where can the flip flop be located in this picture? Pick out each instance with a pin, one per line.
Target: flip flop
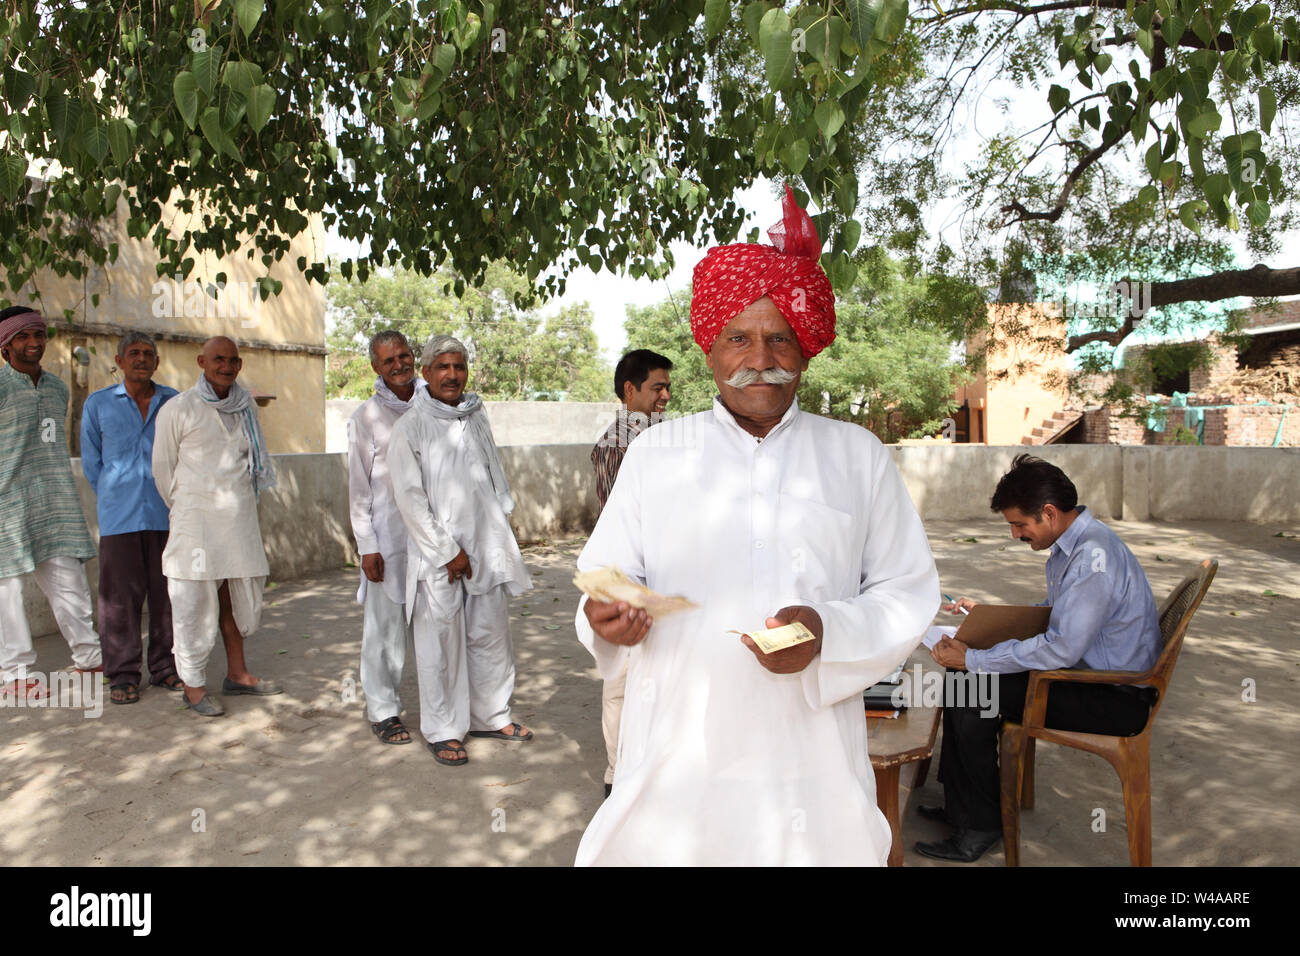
(387, 731)
(459, 748)
(171, 682)
(30, 688)
(498, 735)
(130, 693)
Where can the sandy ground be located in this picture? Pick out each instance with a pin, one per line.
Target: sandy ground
(299, 779)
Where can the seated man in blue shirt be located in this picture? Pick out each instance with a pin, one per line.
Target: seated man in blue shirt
(117, 430)
(1103, 618)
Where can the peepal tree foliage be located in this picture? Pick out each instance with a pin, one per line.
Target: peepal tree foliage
(549, 135)
(432, 132)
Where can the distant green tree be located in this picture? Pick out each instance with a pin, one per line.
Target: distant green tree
(517, 353)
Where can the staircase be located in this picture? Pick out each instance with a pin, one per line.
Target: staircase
(1052, 428)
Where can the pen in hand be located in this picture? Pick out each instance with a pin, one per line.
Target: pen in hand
(952, 600)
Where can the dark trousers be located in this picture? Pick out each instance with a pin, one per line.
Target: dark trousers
(130, 570)
(968, 763)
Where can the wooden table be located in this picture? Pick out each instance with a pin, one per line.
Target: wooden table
(892, 744)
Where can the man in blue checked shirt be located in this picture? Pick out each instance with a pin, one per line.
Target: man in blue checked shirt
(1103, 618)
(117, 432)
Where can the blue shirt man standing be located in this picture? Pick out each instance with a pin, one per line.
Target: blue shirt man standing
(1103, 618)
(117, 432)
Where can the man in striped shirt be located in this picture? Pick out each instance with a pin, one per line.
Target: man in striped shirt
(42, 527)
(642, 383)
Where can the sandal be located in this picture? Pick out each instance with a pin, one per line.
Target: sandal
(29, 688)
(387, 731)
(124, 693)
(451, 746)
(171, 682)
(501, 735)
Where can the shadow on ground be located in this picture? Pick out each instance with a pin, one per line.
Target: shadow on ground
(300, 779)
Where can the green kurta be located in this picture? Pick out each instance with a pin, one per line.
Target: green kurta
(40, 510)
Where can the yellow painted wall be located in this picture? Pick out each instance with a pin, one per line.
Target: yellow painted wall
(1016, 389)
(282, 339)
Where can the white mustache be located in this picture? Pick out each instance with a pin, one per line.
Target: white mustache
(745, 377)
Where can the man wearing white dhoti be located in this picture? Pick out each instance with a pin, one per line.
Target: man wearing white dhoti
(380, 534)
(209, 464)
(763, 515)
(462, 558)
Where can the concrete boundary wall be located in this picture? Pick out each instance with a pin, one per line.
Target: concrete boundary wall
(306, 528)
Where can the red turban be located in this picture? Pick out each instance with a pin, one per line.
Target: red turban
(19, 322)
(789, 273)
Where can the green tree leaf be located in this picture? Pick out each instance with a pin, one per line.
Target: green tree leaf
(13, 176)
(829, 116)
(261, 101)
(1267, 108)
(862, 20)
(248, 12)
(777, 43)
(185, 92)
(119, 141)
(716, 15)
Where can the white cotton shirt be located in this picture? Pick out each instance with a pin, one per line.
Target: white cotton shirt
(200, 468)
(376, 522)
(722, 762)
(445, 495)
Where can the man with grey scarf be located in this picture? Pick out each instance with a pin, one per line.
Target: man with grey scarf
(210, 463)
(463, 562)
(380, 534)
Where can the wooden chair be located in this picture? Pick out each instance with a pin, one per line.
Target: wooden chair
(1130, 756)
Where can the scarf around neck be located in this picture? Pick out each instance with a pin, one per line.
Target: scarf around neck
(471, 411)
(390, 400)
(239, 402)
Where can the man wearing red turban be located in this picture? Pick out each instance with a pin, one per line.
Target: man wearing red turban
(763, 515)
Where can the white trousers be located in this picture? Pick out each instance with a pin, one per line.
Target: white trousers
(196, 620)
(611, 713)
(63, 580)
(384, 633)
(464, 662)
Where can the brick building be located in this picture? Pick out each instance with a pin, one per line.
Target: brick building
(1246, 392)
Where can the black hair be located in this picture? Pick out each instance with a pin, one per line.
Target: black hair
(636, 366)
(1032, 483)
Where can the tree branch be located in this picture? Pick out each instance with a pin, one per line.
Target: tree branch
(1258, 282)
(1051, 215)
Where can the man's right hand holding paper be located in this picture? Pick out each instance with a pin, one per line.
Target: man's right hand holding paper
(618, 622)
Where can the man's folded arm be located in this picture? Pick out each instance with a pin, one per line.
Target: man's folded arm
(437, 547)
(866, 637)
(1077, 618)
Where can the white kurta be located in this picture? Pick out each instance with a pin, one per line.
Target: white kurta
(722, 762)
(376, 522)
(200, 467)
(445, 495)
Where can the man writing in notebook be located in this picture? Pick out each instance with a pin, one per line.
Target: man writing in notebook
(1103, 618)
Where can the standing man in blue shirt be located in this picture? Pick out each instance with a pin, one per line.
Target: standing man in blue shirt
(1103, 618)
(117, 431)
